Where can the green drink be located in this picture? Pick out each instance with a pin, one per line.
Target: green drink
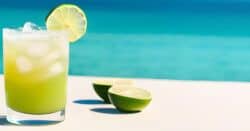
(36, 66)
(35, 71)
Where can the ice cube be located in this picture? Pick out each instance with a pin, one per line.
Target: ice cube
(29, 27)
(55, 69)
(51, 57)
(23, 64)
(39, 49)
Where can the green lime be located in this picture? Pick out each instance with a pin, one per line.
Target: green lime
(129, 99)
(70, 18)
(101, 86)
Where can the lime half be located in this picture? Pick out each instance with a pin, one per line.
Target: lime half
(129, 99)
(101, 86)
(70, 18)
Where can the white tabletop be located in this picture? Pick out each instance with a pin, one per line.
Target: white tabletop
(176, 106)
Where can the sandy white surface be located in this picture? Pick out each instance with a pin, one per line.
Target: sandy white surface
(176, 106)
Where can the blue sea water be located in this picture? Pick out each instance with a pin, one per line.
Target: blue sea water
(193, 40)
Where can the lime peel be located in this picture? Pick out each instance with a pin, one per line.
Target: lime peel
(129, 99)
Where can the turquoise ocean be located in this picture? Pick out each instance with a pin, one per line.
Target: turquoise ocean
(185, 41)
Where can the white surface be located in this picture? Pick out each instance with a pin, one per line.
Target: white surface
(176, 106)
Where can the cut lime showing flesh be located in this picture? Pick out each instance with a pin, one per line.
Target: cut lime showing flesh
(129, 99)
(101, 86)
(70, 18)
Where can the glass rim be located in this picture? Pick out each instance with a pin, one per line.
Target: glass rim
(18, 33)
(40, 30)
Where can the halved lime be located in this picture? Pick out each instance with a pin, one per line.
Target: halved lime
(70, 18)
(101, 86)
(129, 99)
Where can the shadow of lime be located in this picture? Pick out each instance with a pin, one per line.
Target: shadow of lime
(88, 101)
(112, 111)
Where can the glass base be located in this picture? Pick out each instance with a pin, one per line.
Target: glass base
(29, 119)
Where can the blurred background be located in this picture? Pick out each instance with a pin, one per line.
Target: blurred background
(163, 39)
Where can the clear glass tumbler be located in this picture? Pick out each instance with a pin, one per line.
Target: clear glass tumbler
(35, 74)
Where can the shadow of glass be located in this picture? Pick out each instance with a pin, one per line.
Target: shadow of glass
(38, 122)
(3, 121)
(112, 111)
(88, 102)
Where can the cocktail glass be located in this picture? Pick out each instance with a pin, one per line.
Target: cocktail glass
(35, 74)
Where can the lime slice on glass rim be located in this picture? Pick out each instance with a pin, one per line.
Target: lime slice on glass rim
(101, 86)
(129, 98)
(68, 17)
